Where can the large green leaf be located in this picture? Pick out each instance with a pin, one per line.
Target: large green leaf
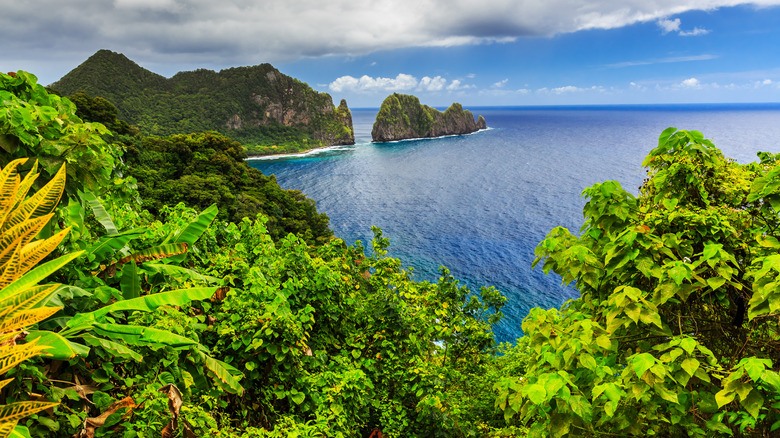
(36, 275)
(138, 335)
(179, 272)
(145, 303)
(108, 244)
(131, 282)
(100, 213)
(224, 374)
(192, 232)
(116, 348)
(61, 348)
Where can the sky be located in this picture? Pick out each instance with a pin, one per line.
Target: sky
(486, 53)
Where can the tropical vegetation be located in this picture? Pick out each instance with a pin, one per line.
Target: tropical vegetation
(171, 314)
(265, 110)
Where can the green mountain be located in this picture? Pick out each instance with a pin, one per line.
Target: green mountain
(402, 116)
(267, 111)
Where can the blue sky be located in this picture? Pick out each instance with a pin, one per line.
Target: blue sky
(496, 52)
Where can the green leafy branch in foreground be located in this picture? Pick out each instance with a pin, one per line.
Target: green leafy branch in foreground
(676, 331)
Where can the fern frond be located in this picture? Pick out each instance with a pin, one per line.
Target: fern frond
(16, 411)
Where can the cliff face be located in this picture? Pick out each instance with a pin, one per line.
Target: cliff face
(255, 104)
(403, 117)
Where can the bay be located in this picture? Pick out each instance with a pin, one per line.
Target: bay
(479, 204)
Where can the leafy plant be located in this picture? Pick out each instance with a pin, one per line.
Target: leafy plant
(21, 219)
(678, 302)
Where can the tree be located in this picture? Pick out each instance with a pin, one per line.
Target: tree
(676, 331)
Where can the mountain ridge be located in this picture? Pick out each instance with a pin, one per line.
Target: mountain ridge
(266, 110)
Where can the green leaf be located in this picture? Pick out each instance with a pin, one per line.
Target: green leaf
(109, 244)
(100, 213)
(690, 365)
(146, 303)
(716, 282)
(536, 393)
(138, 335)
(225, 375)
(192, 232)
(642, 362)
(131, 282)
(753, 402)
(581, 407)
(61, 348)
(298, 398)
(724, 397)
(116, 348)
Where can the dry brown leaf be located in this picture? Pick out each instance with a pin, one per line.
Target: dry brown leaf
(92, 423)
(174, 406)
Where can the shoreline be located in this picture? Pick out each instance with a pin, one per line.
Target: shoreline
(322, 149)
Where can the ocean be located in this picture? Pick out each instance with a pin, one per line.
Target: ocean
(480, 203)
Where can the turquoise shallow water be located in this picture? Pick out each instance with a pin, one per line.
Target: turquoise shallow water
(479, 204)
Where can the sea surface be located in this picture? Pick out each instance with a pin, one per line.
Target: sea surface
(480, 203)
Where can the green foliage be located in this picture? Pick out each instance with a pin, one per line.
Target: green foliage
(256, 105)
(402, 116)
(676, 329)
(205, 169)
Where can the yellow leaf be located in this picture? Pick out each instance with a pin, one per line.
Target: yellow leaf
(15, 411)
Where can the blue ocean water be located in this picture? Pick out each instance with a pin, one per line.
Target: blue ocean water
(479, 204)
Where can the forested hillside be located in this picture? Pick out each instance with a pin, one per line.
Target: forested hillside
(258, 105)
(114, 323)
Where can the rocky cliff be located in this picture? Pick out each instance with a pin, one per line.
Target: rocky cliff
(256, 105)
(403, 117)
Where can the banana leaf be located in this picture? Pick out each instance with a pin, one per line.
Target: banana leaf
(179, 272)
(108, 244)
(116, 348)
(60, 348)
(131, 282)
(146, 303)
(192, 232)
(100, 212)
(144, 336)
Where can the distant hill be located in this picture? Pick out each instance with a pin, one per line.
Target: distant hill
(402, 117)
(267, 111)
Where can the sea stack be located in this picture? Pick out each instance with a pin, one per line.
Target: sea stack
(403, 117)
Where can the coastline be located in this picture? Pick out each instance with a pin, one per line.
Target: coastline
(311, 151)
(323, 149)
(433, 138)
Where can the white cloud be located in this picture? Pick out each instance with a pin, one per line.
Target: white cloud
(668, 26)
(431, 84)
(241, 32)
(691, 83)
(402, 82)
(523, 91)
(695, 32)
(704, 57)
(501, 83)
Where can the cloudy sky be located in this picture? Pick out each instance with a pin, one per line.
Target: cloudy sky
(491, 52)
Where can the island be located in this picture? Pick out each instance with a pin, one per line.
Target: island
(403, 117)
(267, 111)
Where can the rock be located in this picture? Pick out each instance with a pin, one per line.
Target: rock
(403, 117)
